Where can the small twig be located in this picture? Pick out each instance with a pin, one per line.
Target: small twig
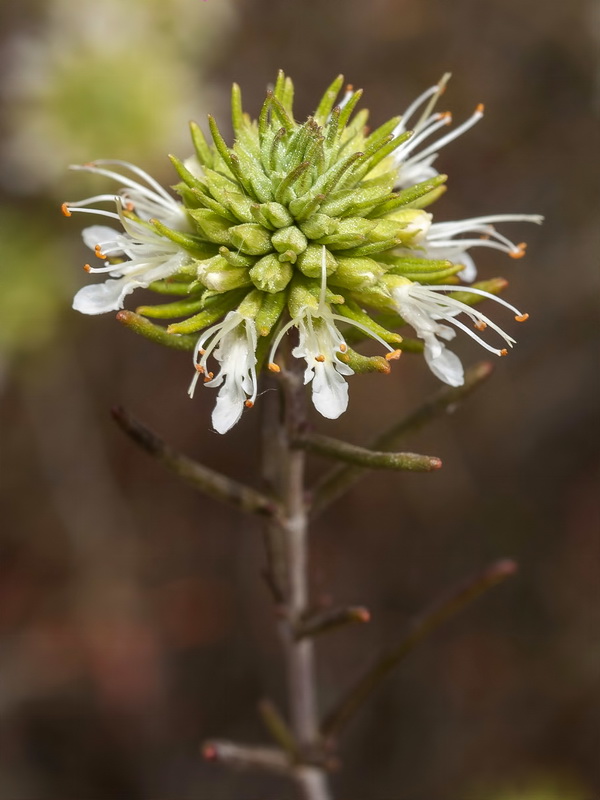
(241, 756)
(365, 458)
(331, 619)
(418, 629)
(339, 479)
(279, 729)
(156, 333)
(200, 477)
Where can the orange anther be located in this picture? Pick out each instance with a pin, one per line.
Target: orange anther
(249, 404)
(320, 358)
(343, 347)
(349, 87)
(274, 368)
(446, 115)
(393, 355)
(519, 251)
(480, 108)
(209, 752)
(199, 368)
(208, 377)
(480, 325)
(201, 351)
(65, 210)
(98, 252)
(504, 352)
(129, 206)
(87, 268)
(522, 317)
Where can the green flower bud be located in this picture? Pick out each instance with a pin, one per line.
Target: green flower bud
(357, 273)
(319, 225)
(251, 238)
(271, 275)
(220, 276)
(290, 238)
(272, 215)
(310, 261)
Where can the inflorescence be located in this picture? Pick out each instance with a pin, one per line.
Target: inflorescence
(319, 227)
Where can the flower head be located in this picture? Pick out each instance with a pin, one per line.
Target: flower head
(314, 228)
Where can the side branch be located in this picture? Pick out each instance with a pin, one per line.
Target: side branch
(421, 627)
(343, 477)
(241, 756)
(367, 459)
(200, 477)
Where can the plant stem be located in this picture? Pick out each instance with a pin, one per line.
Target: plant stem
(293, 524)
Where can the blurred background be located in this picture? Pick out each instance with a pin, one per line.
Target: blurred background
(133, 621)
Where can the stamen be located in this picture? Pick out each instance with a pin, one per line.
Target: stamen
(273, 367)
(98, 251)
(519, 251)
(87, 268)
(436, 146)
(320, 358)
(343, 347)
(208, 377)
(199, 368)
(65, 210)
(504, 352)
(480, 325)
(249, 404)
(393, 356)
(522, 317)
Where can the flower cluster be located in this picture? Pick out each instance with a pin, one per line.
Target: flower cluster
(318, 227)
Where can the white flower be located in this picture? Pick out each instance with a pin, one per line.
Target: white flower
(439, 241)
(149, 256)
(233, 343)
(415, 168)
(320, 345)
(424, 306)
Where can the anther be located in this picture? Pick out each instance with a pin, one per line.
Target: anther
(208, 377)
(65, 210)
(446, 115)
(98, 251)
(249, 404)
(199, 368)
(504, 352)
(129, 206)
(274, 368)
(480, 325)
(393, 355)
(87, 268)
(519, 250)
(209, 752)
(349, 87)
(201, 351)
(343, 347)
(320, 358)
(480, 108)
(522, 317)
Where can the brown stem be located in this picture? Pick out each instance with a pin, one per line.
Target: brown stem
(293, 524)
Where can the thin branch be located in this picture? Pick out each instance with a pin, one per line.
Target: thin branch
(365, 458)
(421, 627)
(241, 756)
(342, 477)
(200, 477)
(279, 729)
(331, 619)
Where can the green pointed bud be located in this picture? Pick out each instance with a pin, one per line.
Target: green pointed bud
(303, 294)
(362, 364)
(214, 310)
(212, 226)
(288, 255)
(357, 273)
(311, 260)
(251, 238)
(290, 238)
(319, 225)
(272, 215)
(181, 308)
(155, 333)
(251, 304)
(217, 274)
(427, 199)
(407, 224)
(269, 313)
(235, 258)
(350, 232)
(271, 275)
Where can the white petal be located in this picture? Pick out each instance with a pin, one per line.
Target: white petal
(103, 297)
(329, 391)
(444, 364)
(229, 407)
(95, 234)
(469, 273)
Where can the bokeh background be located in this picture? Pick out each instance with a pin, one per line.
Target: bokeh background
(133, 621)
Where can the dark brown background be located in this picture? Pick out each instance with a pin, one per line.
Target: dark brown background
(133, 622)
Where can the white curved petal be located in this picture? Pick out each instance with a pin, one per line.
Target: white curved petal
(103, 297)
(96, 234)
(444, 364)
(329, 391)
(229, 406)
(469, 273)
